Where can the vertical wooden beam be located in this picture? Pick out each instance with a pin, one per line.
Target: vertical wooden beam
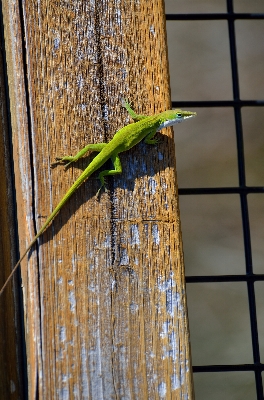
(11, 333)
(104, 294)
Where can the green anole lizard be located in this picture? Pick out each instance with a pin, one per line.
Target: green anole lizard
(144, 127)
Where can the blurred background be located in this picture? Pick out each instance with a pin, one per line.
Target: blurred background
(206, 154)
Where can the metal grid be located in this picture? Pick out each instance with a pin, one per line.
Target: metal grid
(242, 190)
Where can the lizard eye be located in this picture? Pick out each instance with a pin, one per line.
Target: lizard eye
(179, 115)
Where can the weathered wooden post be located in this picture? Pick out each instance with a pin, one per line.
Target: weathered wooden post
(104, 294)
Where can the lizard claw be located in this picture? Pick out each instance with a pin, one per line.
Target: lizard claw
(99, 190)
(102, 186)
(152, 141)
(63, 160)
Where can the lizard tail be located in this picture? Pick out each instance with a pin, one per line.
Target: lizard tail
(77, 183)
(17, 265)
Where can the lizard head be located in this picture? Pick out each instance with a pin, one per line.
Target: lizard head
(182, 115)
(171, 117)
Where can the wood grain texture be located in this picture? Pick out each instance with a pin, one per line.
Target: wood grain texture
(11, 333)
(105, 306)
(10, 327)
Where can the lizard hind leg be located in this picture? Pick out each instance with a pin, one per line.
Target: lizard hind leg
(90, 147)
(117, 170)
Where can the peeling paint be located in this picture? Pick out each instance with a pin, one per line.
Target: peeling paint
(173, 302)
(80, 82)
(12, 386)
(160, 156)
(135, 237)
(95, 369)
(152, 30)
(175, 382)
(155, 234)
(56, 43)
(105, 112)
(107, 241)
(60, 280)
(63, 393)
(93, 287)
(168, 284)
(162, 389)
(124, 258)
(72, 300)
(84, 372)
(118, 16)
(152, 183)
(62, 333)
(165, 329)
(113, 284)
(133, 308)
(174, 349)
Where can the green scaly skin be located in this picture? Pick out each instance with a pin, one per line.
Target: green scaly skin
(144, 127)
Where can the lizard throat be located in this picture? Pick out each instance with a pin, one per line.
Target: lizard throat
(171, 122)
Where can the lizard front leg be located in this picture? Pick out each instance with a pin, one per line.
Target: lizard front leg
(133, 115)
(149, 139)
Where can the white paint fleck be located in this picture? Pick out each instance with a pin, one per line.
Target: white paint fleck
(124, 76)
(175, 382)
(183, 372)
(155, 234)
(162, 389)
(124, 259)
(113, 284)
(62, 333)
(173, 301)
(64, 378)
(80, 81)
(76, 391)
(105, 112)
(135, 235)
(93, 287)
(59, 281)
(165, 353)
(118, 16)
(73, 262)
(174, 350)
(63, 393)
(186, 366)
(164, 186)
(152, 30)
(95, 368)
(133, 308)
(84, 373)
(166, 285)
(72, 300)
(152, 185)
(56, 43)
(91, 267)
(12, 386)
(107, 241)
(160, 156)
(165, 329)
